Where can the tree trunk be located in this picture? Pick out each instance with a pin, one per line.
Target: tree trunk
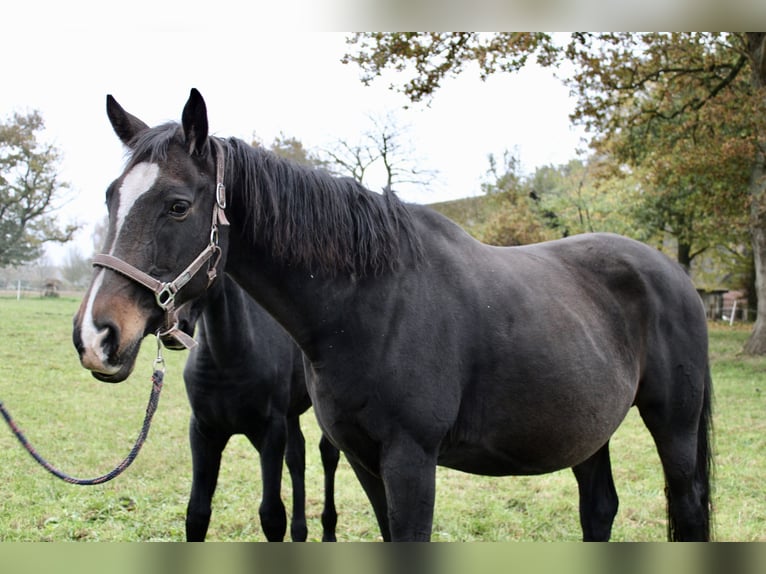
(756, 343)
(756, 43)
(684, 256)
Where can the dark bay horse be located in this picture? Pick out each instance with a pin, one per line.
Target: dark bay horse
(246, 376)
(425, 346)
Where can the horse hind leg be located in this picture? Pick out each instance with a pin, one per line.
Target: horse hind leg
(686, 490)
(598, 496)
(682, 430)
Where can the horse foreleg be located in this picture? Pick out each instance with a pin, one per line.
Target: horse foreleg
(376, 493)
(598, 496)
(206, 462)
(272, 451)
(295, 457)
(409, 476)
(330, 458)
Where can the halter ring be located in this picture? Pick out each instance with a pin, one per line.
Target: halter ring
(165, 296)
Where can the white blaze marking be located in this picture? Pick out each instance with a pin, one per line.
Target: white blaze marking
(138, 181)
(91, 336)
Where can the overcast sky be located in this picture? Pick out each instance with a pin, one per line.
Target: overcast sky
(254, 81)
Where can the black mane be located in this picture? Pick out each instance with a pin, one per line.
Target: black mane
(310, 217)
(306, 215)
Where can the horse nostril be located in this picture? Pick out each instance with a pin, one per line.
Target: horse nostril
(110, 338)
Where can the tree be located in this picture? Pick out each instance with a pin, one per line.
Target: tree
(698, 98)
(756, 51)
(429, 57)
(690, 186)
(684, 107)
(77, 269)
(29, 187)
(514, 217)
(396, 153)
(385, 145)
(578, 197)
(98, 236)
(293, 149)
(351, 159)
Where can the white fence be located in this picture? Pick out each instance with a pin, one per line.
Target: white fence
(736, 310)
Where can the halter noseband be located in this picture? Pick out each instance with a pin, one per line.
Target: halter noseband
(165, 291)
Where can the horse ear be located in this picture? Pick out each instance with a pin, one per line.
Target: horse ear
(125, 125)
(194, 121)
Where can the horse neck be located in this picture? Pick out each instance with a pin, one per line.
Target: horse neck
(299, 238)
(301, 301)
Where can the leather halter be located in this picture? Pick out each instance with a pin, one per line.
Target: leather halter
(165, 291)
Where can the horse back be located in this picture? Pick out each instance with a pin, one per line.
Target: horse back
(649, 290)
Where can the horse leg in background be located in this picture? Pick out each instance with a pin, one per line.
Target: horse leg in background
(272, 450)
(680, 426)
(598, 496)
(206, 449)
(295, 456)
(330, 458)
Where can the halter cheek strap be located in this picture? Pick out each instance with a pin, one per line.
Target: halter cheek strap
(165, 291)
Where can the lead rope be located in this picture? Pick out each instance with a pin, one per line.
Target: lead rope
(157, 380)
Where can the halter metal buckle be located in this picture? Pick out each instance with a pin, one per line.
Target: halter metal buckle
(165, 296)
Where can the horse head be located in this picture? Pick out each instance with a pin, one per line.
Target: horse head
(163, 246)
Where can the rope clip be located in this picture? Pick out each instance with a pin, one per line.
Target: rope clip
(159, 362)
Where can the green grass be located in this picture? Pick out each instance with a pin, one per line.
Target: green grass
(86, 427)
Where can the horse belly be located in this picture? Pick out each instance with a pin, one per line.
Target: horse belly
(544, 438)
(487, 461)
(518, 460)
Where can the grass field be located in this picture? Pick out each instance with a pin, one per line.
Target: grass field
(85, 427)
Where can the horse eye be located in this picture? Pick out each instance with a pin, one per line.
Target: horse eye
(179, 209)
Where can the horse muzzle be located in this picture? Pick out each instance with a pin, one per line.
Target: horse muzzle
(107, 339)
(101, 356)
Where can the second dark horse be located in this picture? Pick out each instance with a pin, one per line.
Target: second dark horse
(246, 377)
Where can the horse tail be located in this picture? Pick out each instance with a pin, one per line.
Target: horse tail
(705, 463)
